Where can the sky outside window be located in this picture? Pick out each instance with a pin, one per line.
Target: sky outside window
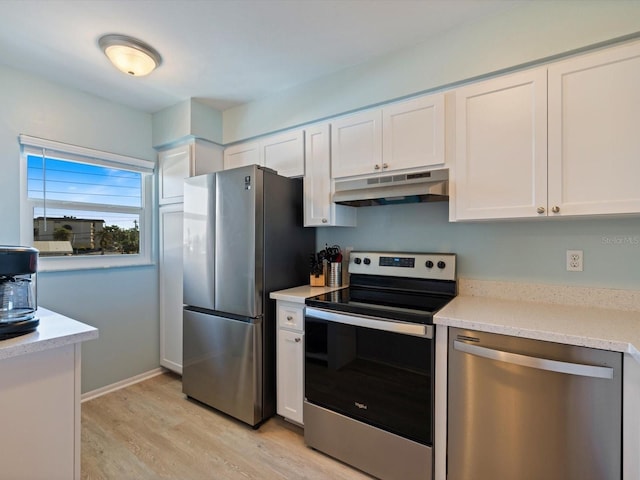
(86, 184)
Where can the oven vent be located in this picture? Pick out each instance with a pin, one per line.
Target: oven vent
(393, 189)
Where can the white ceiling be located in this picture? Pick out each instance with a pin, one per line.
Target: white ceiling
(222, 52)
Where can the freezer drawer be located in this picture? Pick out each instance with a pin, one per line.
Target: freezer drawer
(223, 364)
(529, 410)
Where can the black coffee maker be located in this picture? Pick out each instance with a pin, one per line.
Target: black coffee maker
(18, 297)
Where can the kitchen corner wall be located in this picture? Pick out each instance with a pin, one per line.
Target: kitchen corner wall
(526, 251)
(187, 119)
(121, 302)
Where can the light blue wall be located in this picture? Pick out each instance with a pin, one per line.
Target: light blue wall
(521, 251)
(122, 302)
(517, 251)
(186, 119)
(535, 31)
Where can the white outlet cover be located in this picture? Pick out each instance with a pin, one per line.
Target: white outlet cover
(574, 261)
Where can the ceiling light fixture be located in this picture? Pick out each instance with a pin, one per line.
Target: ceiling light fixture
(130, 55)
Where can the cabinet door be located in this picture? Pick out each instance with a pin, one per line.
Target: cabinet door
(170, 270)
(356, 144)
(594, 146)
(319, 210)
(501, 147)
(207, 158)
(173, 168)
(242, 154)
(40, 405)
(285, 153)
(413, 133)
(290, 373)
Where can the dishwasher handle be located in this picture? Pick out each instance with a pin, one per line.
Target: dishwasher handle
(593, 371)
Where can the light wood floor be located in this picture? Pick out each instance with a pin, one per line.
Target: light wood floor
(150, 431)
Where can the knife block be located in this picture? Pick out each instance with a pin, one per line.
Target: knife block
(316, 280)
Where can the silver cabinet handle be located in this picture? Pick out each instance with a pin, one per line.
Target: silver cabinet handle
(297, 339)
(324, 220)
(555, 209)
(376, 167)
(535, 362)
(540, 210)
(289, 317)
(385, 165)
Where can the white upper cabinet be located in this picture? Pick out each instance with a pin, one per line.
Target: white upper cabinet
(195, 157)
(356, 144)
(559, 140)
(319, 209)
(408, 135)
(594, 141)
(413, 133)
(283, 153)
(501, 147)
(242, 154)
(173, 168)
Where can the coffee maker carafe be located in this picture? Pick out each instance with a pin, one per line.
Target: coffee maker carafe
(18, 291)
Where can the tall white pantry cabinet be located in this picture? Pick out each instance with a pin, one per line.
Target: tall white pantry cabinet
(195, 157)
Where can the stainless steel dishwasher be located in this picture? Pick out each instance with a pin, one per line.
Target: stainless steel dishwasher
(524, 409)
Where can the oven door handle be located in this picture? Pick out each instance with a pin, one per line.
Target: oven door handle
(415, 329)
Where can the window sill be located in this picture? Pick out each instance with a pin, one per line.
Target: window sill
(65, 264)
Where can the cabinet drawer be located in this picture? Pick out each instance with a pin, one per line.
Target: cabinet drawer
(290, 317)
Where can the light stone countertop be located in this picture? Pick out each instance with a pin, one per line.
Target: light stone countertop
(603, 328)
(299, 294)
(54, 331)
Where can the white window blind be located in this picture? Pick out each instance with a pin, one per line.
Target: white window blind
(87, 204)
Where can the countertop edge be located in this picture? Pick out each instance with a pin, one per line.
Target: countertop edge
(302, 292)
(579, 326)
(54, 331)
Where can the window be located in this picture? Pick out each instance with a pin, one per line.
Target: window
(84, 208)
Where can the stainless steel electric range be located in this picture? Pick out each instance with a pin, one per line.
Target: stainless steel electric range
(369, 363)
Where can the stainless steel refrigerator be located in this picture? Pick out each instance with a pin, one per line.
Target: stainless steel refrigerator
(243, 238)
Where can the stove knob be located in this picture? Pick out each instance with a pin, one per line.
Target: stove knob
(357, 261)
(429, 264)
(441, 264)
(367, 261)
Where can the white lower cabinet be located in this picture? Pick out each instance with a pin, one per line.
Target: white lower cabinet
(40, 405)
(290, 360)
(170, 270)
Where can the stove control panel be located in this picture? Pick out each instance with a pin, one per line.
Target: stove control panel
(436, 266)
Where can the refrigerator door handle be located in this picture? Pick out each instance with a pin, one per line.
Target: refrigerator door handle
(593, 371)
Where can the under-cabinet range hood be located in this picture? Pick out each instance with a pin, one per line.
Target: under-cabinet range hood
(431, 186)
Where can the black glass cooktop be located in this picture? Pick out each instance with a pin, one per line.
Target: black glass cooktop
(408, 306)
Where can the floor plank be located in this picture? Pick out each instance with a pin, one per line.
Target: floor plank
(150, 430)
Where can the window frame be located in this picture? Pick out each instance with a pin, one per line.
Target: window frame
(30, 146)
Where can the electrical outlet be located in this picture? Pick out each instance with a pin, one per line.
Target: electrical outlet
(574, 260)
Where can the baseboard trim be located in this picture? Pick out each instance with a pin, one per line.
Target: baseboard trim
(98, 392)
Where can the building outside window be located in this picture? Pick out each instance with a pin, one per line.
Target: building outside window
(86, 208)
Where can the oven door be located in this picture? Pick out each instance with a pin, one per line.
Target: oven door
(373, 370)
